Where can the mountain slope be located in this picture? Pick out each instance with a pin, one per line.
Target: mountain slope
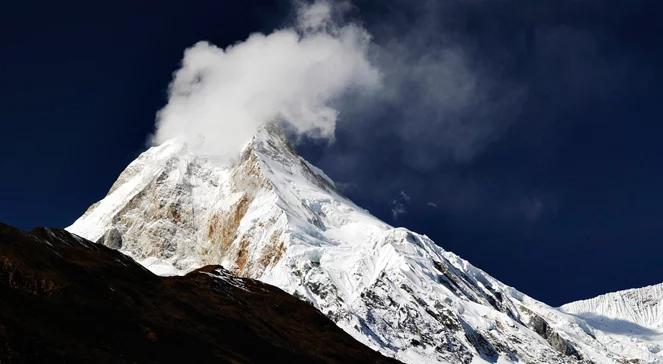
(642, 306)
(65, 299)
(272, 216)
(631, 316)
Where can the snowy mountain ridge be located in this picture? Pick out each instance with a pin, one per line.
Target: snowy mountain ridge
(642, 306)
(272, 216)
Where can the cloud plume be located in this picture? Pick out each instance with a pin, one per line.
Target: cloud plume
(219, 97)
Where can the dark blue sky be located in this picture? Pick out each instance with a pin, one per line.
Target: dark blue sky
(548, 176)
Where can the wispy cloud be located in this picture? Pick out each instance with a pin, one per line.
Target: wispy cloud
(399, 205)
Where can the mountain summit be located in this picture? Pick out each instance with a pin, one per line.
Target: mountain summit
(272, 216)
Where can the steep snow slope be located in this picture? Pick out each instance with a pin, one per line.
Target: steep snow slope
(273, 216)
(641, 306)
(631, 316)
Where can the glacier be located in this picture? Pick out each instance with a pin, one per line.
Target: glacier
(272, 216)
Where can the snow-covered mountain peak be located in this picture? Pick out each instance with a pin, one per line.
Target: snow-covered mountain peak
(273, 216)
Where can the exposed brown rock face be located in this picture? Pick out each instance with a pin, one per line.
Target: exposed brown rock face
(272, 252)
(248, 175)
(242, 256)
(223, 225)
(65, 299)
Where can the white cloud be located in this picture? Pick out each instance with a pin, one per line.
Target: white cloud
(399, 204)
(397, 210)
(315, 16)
(219, 97)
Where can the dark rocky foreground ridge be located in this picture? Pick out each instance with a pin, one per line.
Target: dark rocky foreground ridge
(66, 299)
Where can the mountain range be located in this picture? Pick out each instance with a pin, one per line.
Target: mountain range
(271, 216)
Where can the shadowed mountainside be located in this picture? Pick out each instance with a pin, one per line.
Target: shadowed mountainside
(67, 299)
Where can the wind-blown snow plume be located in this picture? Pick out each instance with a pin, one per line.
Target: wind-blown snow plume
(219, 97)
